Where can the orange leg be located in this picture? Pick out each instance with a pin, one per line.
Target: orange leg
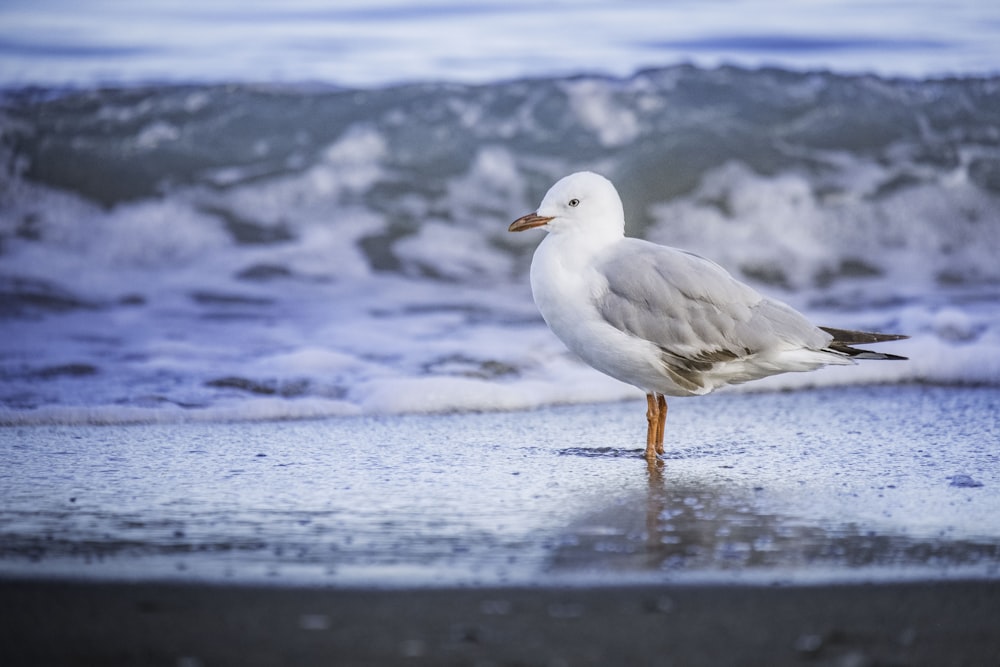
(652, 424)
(661, 418)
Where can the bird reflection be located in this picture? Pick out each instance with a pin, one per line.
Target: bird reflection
(692, 526)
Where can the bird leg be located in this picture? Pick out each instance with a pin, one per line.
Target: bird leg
(652, 422)
(661, 418)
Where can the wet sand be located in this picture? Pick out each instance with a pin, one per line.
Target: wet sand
(849, 527)
(934, 624)
(841, 485)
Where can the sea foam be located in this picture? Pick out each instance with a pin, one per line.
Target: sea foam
(233, 252)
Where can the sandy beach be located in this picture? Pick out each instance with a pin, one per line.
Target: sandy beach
(825, 486)
(851, 526)
(933, 624)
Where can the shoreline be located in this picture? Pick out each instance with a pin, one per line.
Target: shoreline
(804, 487)
(915, 623)
(351, 542)
(270, 411)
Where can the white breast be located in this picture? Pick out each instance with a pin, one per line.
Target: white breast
(565, 286)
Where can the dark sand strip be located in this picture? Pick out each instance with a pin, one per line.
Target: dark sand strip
(935, 624)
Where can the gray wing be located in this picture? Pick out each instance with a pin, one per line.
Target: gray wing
(694, 311)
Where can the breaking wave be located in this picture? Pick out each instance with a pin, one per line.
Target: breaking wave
(251, 252)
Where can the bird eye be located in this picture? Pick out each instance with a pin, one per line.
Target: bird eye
(574, 202)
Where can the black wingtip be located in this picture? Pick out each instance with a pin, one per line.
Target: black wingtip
(844, 339)
(850, 337)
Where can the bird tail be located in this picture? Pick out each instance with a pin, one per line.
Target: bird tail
(843, 339)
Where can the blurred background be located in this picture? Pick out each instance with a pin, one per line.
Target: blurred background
(61, 42)
(271, 210)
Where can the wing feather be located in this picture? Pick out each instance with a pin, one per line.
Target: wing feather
(695, 311)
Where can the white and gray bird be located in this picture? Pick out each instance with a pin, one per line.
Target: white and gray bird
(664, 320)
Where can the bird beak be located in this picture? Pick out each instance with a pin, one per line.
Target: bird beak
(529, 221)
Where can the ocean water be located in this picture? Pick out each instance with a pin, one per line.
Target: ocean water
(373, 43)
(232, 212)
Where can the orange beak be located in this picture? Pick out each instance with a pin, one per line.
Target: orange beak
(529, 221)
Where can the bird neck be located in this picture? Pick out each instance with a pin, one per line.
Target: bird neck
(573, 251)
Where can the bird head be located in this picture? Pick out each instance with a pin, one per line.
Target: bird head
(581, 202)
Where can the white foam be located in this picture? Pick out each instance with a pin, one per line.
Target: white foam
(593, 102)
(377, 288)
(493, 186)
(783, 226)
(452, 252)
(249, 409)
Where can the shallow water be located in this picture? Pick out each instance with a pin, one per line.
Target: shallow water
(856, 484)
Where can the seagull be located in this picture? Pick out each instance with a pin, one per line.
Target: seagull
(659, 318)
